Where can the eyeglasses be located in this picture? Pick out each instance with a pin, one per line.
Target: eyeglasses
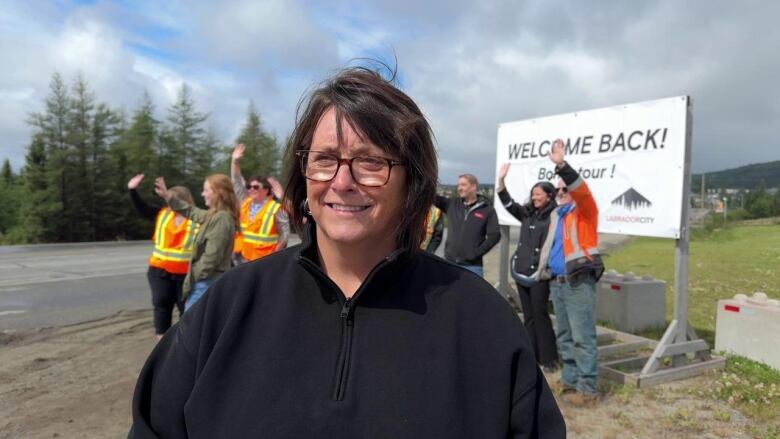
(365, 170)
(256, 187)
(562, 190)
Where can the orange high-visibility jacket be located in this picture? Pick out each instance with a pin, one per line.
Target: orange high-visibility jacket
(259, 236)
(172, 243)
(580, 228)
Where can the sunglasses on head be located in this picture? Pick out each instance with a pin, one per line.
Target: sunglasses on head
(562, 190)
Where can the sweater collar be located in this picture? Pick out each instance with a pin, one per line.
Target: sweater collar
(382, 273)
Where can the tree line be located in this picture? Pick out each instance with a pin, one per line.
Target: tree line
(73, 184)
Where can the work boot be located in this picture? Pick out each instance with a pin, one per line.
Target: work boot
(564, 388)
(579, 399)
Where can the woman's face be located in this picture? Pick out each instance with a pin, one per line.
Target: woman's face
(539, 197)
(208, 194)
(257, 191)
(346, 212)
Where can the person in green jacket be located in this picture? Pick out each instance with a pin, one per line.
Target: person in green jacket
(214, 241)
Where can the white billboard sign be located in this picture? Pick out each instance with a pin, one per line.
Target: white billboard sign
(632, 157)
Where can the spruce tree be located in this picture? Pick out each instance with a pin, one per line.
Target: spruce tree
(184, 140)
(50, 156)
(9, 199)
(79, 211)
(262, 152)
(41, 203)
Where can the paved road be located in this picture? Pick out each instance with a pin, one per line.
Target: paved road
(53, 285)
(61, 284)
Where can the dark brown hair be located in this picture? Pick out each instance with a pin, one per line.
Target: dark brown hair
(388, 118)
(263, 180)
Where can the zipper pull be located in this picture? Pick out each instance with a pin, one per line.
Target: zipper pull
(345, 308)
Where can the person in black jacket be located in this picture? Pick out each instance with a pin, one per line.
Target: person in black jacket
(356, 333)
(173, 240)
(472, 228)
(534, 291)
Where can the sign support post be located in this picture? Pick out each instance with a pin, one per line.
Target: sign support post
(680, 338)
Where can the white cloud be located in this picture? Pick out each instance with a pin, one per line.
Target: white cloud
(470, 65)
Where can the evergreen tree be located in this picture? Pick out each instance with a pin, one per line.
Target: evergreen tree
(107, 200)
(262, 152)
(204, 158)
(7, 174)
(41, 203)
(80, 210)
(185, 140)
(138, 151)
(50, 157)
(9, 199)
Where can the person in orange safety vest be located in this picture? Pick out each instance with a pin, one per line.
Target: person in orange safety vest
(265, 225)
(434, 230)
(174, 236)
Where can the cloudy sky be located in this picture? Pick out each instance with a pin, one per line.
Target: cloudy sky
(469, 65)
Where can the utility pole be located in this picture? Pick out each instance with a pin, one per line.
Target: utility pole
(702, 190)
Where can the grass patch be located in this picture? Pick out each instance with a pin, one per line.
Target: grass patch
(750, 386)
(722, 263)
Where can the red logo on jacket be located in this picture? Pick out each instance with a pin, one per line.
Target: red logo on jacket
(479, 215)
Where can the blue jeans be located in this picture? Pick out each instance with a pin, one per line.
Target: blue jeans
(198, 290)
(575, 317)
(476, 269)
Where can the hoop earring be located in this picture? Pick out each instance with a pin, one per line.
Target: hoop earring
(306, 210)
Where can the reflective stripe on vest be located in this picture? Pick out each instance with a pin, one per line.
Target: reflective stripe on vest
(434, 213)
(266, 233)
(577, 251)
(172, 251)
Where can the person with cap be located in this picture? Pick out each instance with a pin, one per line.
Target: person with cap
(571, 254)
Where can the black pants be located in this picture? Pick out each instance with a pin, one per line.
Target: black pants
(537, 321)
(166, 293)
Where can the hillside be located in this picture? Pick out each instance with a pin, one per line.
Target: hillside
(744, 177)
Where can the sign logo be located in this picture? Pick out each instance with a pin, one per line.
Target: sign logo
(631, 199)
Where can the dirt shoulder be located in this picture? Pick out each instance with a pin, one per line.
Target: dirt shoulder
(73, 381)
(77, 381)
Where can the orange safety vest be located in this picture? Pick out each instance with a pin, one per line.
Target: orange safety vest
(434, 213)
(258, 237)
(172, 243)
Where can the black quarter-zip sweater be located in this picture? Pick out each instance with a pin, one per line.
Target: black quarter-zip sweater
(424, 349)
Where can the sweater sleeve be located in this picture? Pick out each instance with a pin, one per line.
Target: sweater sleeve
(189, 211)
(580, 192)
(492, 234)
(145, 210)
(239, 185)
(518, 211)
(163, 387)
(535, 414)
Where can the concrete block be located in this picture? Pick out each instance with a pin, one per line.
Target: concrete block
(629, 303)
(750, 326)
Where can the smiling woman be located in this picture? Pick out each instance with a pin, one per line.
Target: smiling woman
(355, 333)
